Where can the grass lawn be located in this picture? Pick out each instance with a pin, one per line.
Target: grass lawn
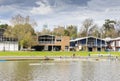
(49, 53)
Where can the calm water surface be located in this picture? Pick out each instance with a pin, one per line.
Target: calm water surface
(59, 70)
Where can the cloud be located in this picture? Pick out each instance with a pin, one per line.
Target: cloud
(42, 9)
(22, 3)
(103, 4)
(61, 12)
(4, 21)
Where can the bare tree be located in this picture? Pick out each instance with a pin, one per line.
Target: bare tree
(59, 31)
(19, 19)
(117, 28)
(88, 28)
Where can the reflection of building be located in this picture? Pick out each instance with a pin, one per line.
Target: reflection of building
(113, 44)
(88, 44)
(7, 44)
(51, 42)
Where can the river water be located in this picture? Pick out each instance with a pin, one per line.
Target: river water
(36, 70)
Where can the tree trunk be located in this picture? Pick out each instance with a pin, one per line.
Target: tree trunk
(21, 47)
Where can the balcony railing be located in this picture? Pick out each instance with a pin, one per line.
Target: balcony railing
(46, 37)
(46, 42)
(92, 45)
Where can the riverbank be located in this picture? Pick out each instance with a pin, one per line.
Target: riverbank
(57, 58)
(61, 55)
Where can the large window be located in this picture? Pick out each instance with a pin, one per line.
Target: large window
(46, 39)
(58, 40)
(117, 43)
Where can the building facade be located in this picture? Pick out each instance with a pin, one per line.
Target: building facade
(52, 43)
(113, 44)
(7, 44)
(88, 44)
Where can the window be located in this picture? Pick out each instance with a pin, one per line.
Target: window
(58, 40)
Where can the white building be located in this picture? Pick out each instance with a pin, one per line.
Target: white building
(114, 43)
(8, 46)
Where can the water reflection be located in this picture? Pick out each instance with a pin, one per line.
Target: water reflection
(59, 71)
(88, 69)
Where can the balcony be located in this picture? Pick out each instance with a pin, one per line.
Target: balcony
(96, 45)
(46, 42)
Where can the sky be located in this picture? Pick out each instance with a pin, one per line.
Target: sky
(60, 12)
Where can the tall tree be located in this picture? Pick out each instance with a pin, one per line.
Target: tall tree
(19, 19)
(71, 31)
(59, 31)
(22, 30)
(88, 28)
(109, 28)
(117, 28)
(8, 32)
(93, 31)
(45, 30)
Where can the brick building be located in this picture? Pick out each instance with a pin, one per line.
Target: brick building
(52, 43)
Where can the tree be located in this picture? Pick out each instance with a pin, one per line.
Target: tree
(71, 31)
(117, 28)
(88, 28)
(45, 31)
(8, 32)
(28, 40)
(4, 26)
(19, 19)
(93, 31)
(22, 30)
(109, 28)
(59, 31)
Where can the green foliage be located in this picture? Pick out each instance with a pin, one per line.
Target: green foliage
(117, 26)
(4, 26)
(45, 31)
(62, 31)
(71, 31)
(88, 28)
(24, 34)
(109, 28)
(59, 31)
(22, 30)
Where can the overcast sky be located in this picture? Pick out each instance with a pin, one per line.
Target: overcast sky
(60, 12)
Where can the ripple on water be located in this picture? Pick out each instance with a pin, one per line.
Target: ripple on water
(60, 71)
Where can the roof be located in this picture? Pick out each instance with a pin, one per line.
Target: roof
(111, 39)
(118, 38)
(107, 39)
(84, 38)
(46, 35)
